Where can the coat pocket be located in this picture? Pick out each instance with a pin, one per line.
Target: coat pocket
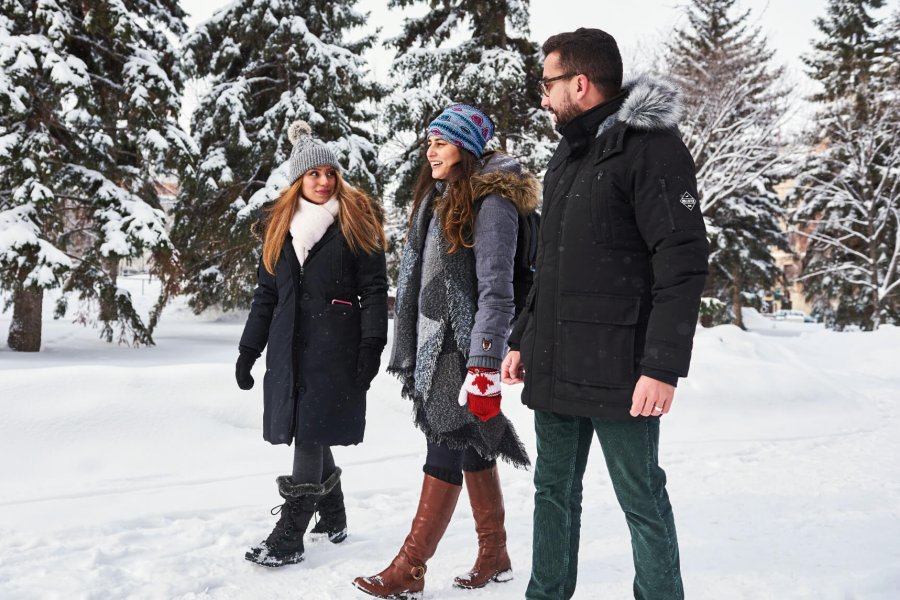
(597, 339)
(340, 307)
(664, 198)
(601, 214)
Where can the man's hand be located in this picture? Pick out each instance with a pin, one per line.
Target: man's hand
(512, 371)
(651, 397)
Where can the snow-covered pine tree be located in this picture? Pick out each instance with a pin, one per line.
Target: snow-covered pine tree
(89, 100)
(735, 104)
(887, 69)
(135, 144)
(849, 187)
(495, 67)
(265, 64)
(30, 219)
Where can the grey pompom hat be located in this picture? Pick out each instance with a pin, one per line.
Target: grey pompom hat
(308, 152)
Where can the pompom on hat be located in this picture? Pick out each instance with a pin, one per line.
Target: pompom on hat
(463, 126)
(308, 152)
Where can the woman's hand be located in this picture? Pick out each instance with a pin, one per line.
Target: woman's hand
(242, 370)
(481, 390)
(368, 361)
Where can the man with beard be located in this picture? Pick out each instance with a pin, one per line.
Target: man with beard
(608, 327)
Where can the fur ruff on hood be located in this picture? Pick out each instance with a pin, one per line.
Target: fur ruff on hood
(652, 104)
(503, 176)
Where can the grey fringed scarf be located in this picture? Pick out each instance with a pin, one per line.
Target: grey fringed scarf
(434, 314)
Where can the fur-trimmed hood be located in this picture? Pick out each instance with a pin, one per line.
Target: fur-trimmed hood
(652, 104)
(503, 176)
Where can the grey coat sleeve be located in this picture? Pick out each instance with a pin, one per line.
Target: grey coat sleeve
(496, 228)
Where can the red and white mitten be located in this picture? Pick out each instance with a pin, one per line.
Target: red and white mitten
(481, 390)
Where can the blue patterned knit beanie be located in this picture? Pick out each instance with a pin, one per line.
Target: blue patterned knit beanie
(463, 126)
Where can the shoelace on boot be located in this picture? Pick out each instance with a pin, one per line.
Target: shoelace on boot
(284, 527)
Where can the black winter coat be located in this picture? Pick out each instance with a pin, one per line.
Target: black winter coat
(622, 259)
(309, 388)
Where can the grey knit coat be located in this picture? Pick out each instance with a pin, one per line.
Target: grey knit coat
(454, 310)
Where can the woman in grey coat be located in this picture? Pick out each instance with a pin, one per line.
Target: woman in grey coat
(453, 314)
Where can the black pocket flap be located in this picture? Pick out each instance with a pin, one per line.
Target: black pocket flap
(599, 308)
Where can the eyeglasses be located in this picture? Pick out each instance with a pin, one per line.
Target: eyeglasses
(545, 90)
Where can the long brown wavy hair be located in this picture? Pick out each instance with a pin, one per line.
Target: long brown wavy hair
(360, 218)
(456, 208)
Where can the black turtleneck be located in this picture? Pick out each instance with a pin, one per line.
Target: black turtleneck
(583, 128)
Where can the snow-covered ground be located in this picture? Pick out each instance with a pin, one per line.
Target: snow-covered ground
(142, 473)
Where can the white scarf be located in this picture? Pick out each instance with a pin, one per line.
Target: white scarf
(309, 224)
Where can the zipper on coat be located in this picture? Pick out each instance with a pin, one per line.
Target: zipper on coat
(561, 237)
(532, 306)
(296, 362)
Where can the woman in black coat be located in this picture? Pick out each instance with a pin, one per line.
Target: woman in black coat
(320, 306)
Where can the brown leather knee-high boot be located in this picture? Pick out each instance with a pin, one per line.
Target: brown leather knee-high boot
(492, 563)
(405, 576)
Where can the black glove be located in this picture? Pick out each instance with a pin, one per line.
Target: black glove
(242, 368)
(368, 361)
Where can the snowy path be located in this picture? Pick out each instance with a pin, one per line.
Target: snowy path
(141, 473)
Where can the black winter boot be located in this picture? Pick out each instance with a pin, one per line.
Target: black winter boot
(284, 546)
(332, 516)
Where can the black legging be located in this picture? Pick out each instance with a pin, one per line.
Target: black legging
(448, 464)
(311, 462)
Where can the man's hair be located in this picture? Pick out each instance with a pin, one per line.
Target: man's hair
(591, 52)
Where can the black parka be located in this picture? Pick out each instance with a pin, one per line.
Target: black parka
(622, 259)
(309, 388)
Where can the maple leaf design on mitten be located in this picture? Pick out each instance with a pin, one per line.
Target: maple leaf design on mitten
(481, 382)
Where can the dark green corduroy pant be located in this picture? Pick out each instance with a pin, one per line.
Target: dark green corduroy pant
(631, 452)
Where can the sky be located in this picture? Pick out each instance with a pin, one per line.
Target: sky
(638, 25)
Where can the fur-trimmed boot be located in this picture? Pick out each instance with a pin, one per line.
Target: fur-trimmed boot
(404, 579)
(284, 546)
(332, 523)
(486, 498)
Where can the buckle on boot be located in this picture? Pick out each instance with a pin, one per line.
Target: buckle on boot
(418, 573)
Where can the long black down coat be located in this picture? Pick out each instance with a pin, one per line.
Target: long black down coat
(309, 388)
(622, 259)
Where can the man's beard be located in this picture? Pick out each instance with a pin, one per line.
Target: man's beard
(565, 113)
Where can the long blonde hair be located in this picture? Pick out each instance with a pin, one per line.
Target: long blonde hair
(360, 218)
